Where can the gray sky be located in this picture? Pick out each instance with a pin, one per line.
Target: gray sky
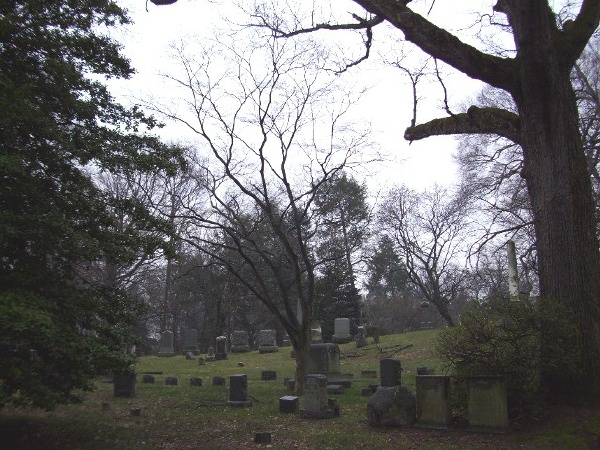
(387, 104)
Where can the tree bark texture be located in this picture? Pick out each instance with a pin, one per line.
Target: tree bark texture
(553, 157)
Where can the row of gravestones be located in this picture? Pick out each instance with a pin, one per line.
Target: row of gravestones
(240, 343)
(267, 339)
(390, 402)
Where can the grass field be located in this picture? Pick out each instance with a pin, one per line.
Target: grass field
(190, 417)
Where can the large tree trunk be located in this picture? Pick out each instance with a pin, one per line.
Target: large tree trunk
(563, 208)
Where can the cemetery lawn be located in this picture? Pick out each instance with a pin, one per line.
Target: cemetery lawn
(189, 417)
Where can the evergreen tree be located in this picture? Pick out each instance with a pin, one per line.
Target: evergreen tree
(59, 324)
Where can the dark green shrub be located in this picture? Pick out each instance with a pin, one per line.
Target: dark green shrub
(502, 337)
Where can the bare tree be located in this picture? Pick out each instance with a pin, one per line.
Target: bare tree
(428, 230)
(274, 136)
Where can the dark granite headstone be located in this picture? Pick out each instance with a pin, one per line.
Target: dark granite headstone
(218, 381)
(289, 404)
(390, 370)
(195, 381)
(171, 381)
(148, 379)
(238, 390)
(268, 375)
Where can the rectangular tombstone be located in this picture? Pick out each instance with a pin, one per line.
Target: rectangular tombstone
(390, 370)
(191, 341)
(166, 344)
(267, 341)
(341, 330)
(124, 385)
(240, 342)
(267, 375)
(433, 401)
(238, 390)
(314, 400)
(324, 358)
(488, 409)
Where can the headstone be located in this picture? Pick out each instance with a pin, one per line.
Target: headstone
(376, 332)
(148, 379)
(366, 392)
(191, 341)
(210, 354)
(268, 375)
(291, 385)
(390, 370)
(262, 438)
(426, 312)
(166, 344)
(267, 340)
(195, 381)
(488, 410)
(341, 330)
(218, 381)
(391, 406)
(433, 401)
(361, 337)
(124, 385)
(171, 381)
(315, 403)
(238, 391)
(335, 389)
(324, 358)
(220, 348)
(240, 342)
(422, 370)
(189, 356)
(289, 404)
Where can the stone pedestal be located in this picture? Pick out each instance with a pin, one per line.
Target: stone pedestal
(488, 410)
(289, 404)
(433, 405)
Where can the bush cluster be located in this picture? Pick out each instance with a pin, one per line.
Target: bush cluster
(503, 337)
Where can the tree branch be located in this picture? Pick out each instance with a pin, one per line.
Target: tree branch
(442, 45)
(475, 121)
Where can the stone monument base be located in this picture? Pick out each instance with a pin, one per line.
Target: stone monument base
(268, 349)
(240, 348)
(241, 404)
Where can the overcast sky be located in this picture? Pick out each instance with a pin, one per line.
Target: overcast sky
(387, 105)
